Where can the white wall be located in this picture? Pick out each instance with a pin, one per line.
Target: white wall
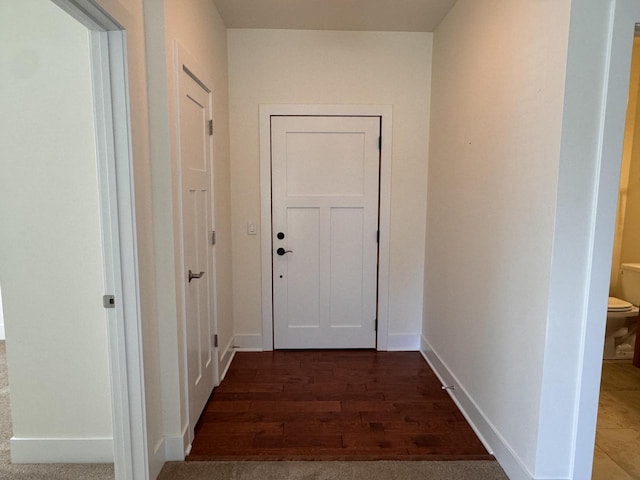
(199, 29)
(313, 67)
(51, 266)
(497, 105)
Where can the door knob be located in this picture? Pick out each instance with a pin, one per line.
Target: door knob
(194, 275)
(281, 251)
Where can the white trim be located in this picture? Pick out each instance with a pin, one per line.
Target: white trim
(495, 444)
(159, 452)
(226, 358)
(61, 450)
(109, 24)
(615, 91)
(386, 113)
(175, 446)
(248, 343)
(408, 342)
(107, 178)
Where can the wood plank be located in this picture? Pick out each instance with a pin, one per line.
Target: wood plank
(297, 441)
(294, 406)
(210, 429)
(254, 387)
(234, 406)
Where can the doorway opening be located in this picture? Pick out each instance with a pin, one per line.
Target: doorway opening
(69, 272)
(52, 248)
(625, 16)
(619, 402)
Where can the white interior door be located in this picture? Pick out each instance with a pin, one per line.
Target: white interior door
(197, 219)
(325, 190)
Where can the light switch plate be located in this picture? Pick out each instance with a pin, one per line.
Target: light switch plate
(251, 228)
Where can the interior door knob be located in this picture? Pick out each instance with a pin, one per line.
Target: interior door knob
(281, 251)
(194, 275)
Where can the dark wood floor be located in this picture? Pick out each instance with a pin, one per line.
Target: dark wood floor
(332, 405)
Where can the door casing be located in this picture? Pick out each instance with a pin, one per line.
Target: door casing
(385, 113)
(111, 76)
(619, 42)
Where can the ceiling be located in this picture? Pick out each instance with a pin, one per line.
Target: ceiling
(362, 15)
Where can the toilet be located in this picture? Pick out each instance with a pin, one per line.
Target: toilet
(622, 313)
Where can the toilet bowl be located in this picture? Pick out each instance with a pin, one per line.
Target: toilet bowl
(622, 315)
(620, 335)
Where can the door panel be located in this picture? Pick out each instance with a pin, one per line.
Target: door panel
(303, 298)
(323, 163)
(197, 219)
(325, 191)
(346, 273)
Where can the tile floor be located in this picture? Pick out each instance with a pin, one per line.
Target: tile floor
(617, 451)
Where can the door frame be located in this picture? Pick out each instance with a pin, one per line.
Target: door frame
(625, 14)
(385, 112)
(187, 62)
(108, 27)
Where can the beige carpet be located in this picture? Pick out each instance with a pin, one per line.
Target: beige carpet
(477, 470)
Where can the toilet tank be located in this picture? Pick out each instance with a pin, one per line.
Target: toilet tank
(630, 282)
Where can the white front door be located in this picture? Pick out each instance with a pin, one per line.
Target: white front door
(325, 195)
(196, 185)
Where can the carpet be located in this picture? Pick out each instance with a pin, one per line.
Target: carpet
(392, 470)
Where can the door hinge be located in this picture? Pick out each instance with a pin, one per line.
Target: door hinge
(109, 301)
(210, 127)
(380, 143)
(215, 340)
(376, 325)
(213, 237)
(378, 236)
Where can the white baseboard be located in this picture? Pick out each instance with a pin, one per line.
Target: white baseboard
(238, 343)
(175, 447)
(2, 334)
(403, 343)
(226, 358)
(248, 343)
(158, 458)
(61, 450)
(488, 434)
